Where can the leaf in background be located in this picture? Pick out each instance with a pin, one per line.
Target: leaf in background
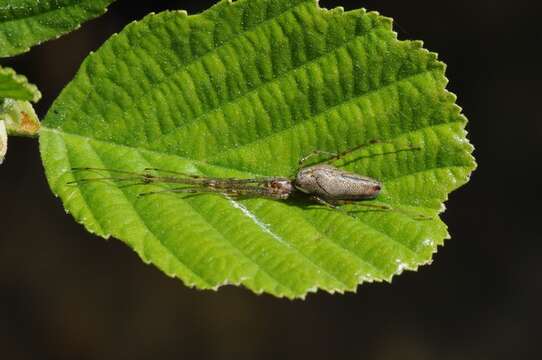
(16, 86)
(246, 89)
(25, 23)
(17, 116)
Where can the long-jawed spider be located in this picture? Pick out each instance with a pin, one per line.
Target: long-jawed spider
(322, 182)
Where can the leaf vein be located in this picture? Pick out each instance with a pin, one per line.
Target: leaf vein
(319, 114)
(275, 80)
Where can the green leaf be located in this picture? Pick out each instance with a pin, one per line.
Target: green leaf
(25, 23)
(16, 86)
(246, 89)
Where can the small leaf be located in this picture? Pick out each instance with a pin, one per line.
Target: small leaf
(246, 89)
(25, 23)
(16, 86)
(19, 117)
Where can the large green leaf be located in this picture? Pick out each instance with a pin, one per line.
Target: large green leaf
(25, 23)
(246, 89)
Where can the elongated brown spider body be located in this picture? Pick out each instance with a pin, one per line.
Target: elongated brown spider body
(330, 183)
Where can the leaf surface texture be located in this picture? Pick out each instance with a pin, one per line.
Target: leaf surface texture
(244, 90)
(25, 23)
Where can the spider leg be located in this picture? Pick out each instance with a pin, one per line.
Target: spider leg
(96, 169)
(173, 172)
(314, 153)
(327, 203)
(384, 207)
(116, 178)
(333, 156)
(124, 175)
(338, 156)
(233, 191)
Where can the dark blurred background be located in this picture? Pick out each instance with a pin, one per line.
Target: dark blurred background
(66, 294)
